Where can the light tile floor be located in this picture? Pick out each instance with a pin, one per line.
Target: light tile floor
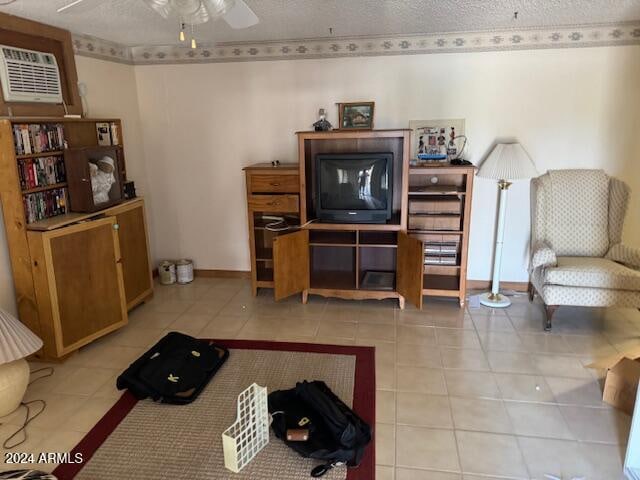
(463, 394)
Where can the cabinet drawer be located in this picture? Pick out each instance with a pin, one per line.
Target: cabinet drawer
(437, 238)
(449, 206)
(434, 222)
(274, 183)
(274, 203)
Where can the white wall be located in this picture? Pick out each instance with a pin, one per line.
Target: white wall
(570, 108)
(189, 129)
(111, 93)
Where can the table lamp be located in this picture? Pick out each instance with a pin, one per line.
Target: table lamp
(507, 161)
(16, 343)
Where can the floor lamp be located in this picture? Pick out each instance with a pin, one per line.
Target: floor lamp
(507, 161)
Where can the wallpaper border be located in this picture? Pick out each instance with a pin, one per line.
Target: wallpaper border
(503, 40)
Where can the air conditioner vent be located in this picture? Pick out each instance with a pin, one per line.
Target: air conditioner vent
(29, 76)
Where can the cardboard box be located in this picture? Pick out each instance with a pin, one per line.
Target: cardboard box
(632, 457)
(621, 382)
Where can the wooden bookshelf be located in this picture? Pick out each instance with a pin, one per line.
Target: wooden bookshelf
(430, 185)
(44, 188)
(75, 274)
(54, 153)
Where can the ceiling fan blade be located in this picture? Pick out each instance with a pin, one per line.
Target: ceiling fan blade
(240, 16)
(78, 6)
(159, 6)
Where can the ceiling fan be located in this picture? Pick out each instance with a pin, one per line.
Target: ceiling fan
(187, 12)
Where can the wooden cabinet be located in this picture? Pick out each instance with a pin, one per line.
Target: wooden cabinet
(77, 162)
(409, 277)
(439, 199)
(78, 280)
(274, 203)
(87, 271)
(267, 182)
(75, 274)
(421, 250)
(273, 208)
(134, 250)
(290, 264)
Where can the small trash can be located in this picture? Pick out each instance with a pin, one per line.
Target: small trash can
(167, 272)
(184, 269)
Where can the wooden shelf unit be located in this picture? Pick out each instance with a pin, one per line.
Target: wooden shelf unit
(53, 153)
(441, 192)
(75, 274)
(45, 188)
(271, 192)
(328, 259)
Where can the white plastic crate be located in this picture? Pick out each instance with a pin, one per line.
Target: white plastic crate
(250, 433)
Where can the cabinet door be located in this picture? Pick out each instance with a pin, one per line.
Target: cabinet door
(134, 251)
(290, 263)
(410, 262)
(85, 282)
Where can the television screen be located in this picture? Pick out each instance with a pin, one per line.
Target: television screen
(354, 187)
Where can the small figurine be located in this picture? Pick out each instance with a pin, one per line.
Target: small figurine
(322, 125)
(421, 148)
(452, 149)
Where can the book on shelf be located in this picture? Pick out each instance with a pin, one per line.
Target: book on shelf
(41, 205)
(440, 260)
(115, 134)
(107, 133)
(41, 171)
(38, 138)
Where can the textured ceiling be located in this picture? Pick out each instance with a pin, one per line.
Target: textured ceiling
(130, 22)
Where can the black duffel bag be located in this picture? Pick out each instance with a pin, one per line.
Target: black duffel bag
(336, 435)
(175, 370)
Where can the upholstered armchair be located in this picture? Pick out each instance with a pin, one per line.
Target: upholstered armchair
(577, 257)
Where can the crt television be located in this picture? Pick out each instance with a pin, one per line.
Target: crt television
(354, 187)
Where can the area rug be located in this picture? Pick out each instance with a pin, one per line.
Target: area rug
(149, 440)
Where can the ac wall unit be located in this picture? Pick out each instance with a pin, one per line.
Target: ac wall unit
(29, 76)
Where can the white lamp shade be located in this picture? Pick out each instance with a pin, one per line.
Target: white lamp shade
(508, 161)
(16, 340)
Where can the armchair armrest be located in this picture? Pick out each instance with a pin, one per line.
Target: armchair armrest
(625, 254)
(542, 256)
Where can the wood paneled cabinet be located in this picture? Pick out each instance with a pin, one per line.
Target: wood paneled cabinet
(87, 274)
(273, 204)
(304, 262)
(88, 271)
(421, 250)
(134, 251)
(77, 273)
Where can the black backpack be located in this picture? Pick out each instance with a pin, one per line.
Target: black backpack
(175, 370)
(336, 434)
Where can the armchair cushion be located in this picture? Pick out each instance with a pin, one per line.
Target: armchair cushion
(577, 212)
(543, 256)
(592, 272)
(625, 254)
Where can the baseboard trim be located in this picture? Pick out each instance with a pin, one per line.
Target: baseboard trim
(471, 284)
(215, 273)
(222, 273)
(486, 285)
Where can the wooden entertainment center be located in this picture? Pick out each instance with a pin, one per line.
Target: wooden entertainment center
(332, 259)
(76, 274)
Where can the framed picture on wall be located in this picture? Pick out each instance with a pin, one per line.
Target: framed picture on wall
(356, 115)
